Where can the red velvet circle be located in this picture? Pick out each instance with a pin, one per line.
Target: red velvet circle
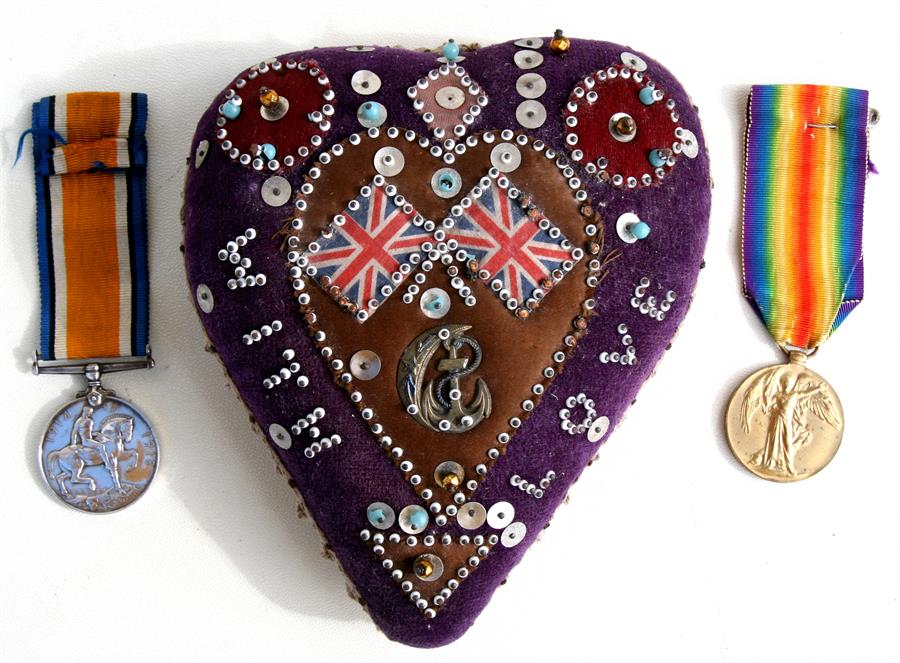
(655, 127)
(303, 86)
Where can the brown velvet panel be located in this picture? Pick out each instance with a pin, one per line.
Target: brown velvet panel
(515, 351)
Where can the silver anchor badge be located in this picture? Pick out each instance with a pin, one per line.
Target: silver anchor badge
(438, 404)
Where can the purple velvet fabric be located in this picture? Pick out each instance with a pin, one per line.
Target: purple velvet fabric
(222, 199)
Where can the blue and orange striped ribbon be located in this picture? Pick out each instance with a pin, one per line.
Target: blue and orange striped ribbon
(92, 224)
(804, 183)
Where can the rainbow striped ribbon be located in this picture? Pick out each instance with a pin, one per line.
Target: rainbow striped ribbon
(804, 182)
(92, 224)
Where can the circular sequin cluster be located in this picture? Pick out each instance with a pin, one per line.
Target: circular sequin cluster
(261, 127)
(623, 127)
(571, 424)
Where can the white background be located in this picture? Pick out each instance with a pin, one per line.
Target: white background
(668, 550)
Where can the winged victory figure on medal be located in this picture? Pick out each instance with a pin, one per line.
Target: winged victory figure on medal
(787, 399)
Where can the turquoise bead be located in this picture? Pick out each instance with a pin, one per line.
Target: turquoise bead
(419, 518)
(268, 150)
(646, 96)
(451, 50)
(640, 230)
(371, 114)
(657, 158)
(370, 111)
(376, 516)
(231, 110)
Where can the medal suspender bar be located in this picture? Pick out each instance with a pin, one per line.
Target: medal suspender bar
(90, 159)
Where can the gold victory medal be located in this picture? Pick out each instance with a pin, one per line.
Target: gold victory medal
(784, 423)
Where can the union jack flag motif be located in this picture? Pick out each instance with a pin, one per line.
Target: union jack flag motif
(363, 255)
(509, 246)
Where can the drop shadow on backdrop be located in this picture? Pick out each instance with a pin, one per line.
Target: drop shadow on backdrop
(219, 469)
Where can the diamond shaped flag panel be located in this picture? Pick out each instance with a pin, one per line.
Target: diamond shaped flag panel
(368, 250)
(512, 246)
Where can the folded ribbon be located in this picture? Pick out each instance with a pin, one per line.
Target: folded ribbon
(91, 224)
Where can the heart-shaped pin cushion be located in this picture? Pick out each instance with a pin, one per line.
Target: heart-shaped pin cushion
(438, 285)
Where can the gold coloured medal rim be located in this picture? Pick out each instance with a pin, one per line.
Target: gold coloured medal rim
(40, 452)
(733, 415)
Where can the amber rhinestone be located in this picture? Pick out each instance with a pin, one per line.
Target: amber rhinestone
(560, 43)
(580, 323)
(593, 248)
(625, 126)
(268, 97)
(449, 475)
(450, 480)
(587, 210)
(423, 567)
(522, 313)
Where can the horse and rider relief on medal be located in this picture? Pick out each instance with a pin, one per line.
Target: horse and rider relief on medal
(100, 458)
